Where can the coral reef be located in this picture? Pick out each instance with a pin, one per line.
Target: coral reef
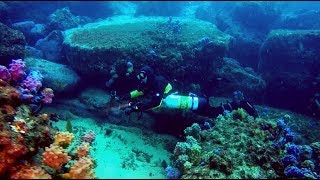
(55, 157)
(26, 135)
(28, 171)
(239, 146)
(81, 169)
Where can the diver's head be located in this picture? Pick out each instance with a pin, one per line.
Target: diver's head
(144, 73)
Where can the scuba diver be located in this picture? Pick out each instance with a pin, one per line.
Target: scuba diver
(160, 92)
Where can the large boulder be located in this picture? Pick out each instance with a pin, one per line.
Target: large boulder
(51, 46)
(4, 8)
(245, 50)
(159, 8)
(181, 49)
(290, 63)
(300, 20)
(256, 15)
(63, 19)
(56, 76)
(232, 76)
(12, 44)
(31, 30)
(95, 99)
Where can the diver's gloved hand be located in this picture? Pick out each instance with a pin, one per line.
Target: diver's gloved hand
(249, 108)
(130, 109)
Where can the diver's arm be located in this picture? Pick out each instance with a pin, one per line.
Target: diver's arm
(131, 95)
(153, 102)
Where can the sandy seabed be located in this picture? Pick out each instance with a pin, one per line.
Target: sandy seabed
(124, 152)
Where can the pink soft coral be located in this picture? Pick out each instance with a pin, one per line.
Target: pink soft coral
(17, 69)
(47, 93)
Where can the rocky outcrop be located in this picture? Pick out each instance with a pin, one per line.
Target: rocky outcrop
(63, 19)
(4, 13)
(290, 62)
(231, 76)
(12, 44)
(31, 30)
(300, 20)
(51, 46)
(56, 76)
(95, 99)
(181, 49)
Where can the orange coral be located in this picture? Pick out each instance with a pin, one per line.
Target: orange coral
(63, 138)
(55, 156)
(29, 172)
(83, 149)
(81, 169)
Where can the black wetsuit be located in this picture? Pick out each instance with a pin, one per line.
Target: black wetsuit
(154, 91)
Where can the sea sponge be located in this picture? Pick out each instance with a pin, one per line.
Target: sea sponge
(63, 139)
(81, 169)
(29, 172)
(55, 156)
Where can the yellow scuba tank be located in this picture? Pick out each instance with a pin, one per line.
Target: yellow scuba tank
(181, 102)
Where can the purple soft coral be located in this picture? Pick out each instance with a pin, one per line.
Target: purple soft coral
(172, 173)
(89, 137)
(17, 69)
(33, 81)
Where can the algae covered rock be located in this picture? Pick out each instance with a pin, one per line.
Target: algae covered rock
(172, 46)
(95, 98)
(12, 44)
(289, 62)
(234, 76)
(56, 76)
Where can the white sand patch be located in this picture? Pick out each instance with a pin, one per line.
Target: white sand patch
(113, 153)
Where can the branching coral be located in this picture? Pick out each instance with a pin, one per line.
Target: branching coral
(83, 149)
(55, 156)
(81, 169)
(63, 139)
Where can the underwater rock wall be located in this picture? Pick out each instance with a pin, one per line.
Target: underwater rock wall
(12, 44)
(289, 62)
(184, 49)
(57, 76)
